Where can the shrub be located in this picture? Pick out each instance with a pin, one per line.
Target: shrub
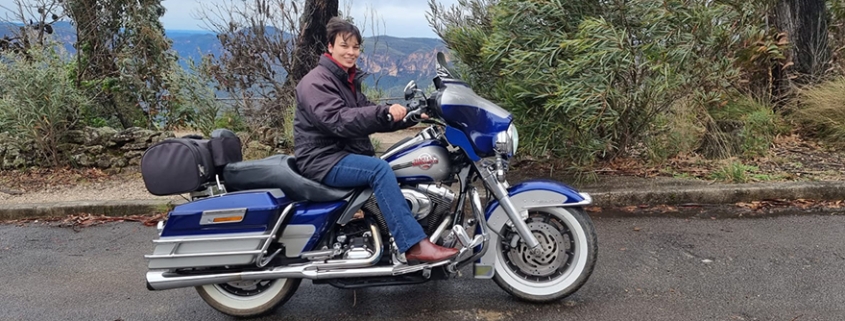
(588, 80)
(750, 126)
(678, 131)
(40, 102)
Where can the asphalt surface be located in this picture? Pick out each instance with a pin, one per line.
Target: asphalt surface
(778, 268)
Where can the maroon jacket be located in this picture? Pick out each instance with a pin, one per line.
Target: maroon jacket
(333, 120)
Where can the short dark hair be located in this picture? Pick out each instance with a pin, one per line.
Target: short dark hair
(340, 27)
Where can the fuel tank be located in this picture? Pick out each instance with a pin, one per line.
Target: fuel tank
(427, 161)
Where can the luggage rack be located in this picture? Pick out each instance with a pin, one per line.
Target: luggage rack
(210, 190)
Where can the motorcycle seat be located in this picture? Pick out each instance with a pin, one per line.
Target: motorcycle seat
(279, 171)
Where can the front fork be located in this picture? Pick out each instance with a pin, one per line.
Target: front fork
(517, 219)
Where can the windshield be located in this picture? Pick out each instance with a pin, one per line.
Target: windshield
(443, 70)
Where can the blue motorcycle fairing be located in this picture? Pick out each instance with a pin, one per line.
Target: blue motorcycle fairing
(572, 196)
(457, 138)
(478, 118)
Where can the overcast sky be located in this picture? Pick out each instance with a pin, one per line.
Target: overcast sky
(401, 18)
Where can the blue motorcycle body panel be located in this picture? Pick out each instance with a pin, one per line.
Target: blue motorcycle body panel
(262, 212)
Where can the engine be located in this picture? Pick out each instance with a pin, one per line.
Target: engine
(428, 203)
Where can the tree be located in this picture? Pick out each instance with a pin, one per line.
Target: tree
(806, 27)
(123, 56)
(268, 46)
(311, 41)
(36, 18)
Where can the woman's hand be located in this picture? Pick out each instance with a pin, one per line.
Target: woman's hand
(398, 112)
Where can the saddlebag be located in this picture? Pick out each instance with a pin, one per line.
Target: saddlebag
(184, 165)
(227, 230)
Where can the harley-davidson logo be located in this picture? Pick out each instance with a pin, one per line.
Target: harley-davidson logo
(425, 161)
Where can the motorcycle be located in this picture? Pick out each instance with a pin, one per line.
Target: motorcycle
(247, 242)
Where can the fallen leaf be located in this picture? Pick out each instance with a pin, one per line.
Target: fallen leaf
(629, 209)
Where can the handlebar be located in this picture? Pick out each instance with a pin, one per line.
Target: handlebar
(413, 112)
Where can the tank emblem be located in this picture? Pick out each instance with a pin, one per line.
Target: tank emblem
(425, 161)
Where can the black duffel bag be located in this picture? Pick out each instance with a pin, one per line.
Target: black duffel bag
(184, 165)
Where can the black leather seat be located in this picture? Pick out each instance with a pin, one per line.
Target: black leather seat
(280, 172)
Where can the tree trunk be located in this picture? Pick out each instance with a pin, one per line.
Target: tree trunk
(94, 57)
(310, 44)
(311, 41)
(805, 24)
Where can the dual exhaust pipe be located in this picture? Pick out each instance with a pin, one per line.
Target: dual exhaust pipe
(331, 269)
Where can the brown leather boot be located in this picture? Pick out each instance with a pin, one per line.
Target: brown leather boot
(428, 252)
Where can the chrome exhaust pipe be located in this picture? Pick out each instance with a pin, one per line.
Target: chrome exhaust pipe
(164, 280)
(158, 280)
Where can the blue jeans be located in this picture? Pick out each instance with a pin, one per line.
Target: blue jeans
(356, 171)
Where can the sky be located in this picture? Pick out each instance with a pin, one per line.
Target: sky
(399, 18)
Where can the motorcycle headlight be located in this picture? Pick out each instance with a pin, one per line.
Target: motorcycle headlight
(507, 141)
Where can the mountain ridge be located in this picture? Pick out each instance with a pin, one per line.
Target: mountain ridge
(391, 61)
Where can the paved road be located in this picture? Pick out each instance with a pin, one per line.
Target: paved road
(785, 268)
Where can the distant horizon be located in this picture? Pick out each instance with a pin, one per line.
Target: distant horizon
(395, 19)
(209, 32)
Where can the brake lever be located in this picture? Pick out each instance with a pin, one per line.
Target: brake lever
(414, 116)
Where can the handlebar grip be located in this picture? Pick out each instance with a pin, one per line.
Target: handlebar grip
(408, 110)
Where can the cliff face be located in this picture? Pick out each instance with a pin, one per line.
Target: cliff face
(420, 63)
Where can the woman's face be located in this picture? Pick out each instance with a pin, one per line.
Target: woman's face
(345, 50)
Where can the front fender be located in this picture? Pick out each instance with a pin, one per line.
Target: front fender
(536, 194)
(525, 196)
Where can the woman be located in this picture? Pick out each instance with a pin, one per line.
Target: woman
(331, 138)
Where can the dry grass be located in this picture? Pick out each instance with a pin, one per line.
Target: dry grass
(677, 132)
(821, 111)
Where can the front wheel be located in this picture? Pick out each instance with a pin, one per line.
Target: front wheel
(248, 299)
(564, 263)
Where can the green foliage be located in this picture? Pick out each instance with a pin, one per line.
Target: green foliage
(757, 124)
(39, 102)
(124, 59)
(734, 172)
(676, 132)
(587, 81)
(376, 143)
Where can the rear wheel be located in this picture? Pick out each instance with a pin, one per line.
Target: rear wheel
(248, 298)
(563, 264)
